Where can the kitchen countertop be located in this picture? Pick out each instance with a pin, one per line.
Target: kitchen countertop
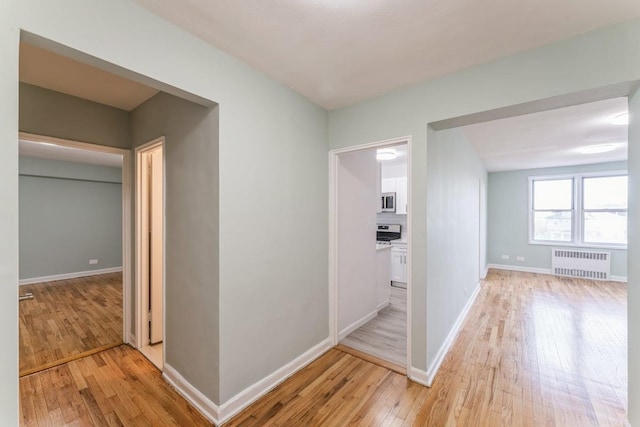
(380, 247)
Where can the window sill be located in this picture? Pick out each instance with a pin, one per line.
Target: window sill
(578, 245)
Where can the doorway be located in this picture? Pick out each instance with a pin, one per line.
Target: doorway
(69, 190)
(150, 250)
(357, 298)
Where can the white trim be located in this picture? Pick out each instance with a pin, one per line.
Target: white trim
(127, 230)
(542, 271)
(220, 414)
(453, 333)
(141, 326)
(246, 397)
(355, 325)
(577, 209)
(65, 276)
(486, 271)
(519, 268)
(382, 305)
(201, 402)
(419, 376)
(127, 244)
(333, 248)
(333, 230)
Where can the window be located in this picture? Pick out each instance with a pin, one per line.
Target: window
(583, 210)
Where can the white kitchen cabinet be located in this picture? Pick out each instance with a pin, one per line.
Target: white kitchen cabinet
(401, 196)
(379, 186)
(399, 264)
(388, 185)
(383, 275)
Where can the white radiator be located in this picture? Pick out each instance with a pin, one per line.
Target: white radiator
(578, 263)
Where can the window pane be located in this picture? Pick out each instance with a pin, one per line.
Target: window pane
(608, 192)
(553, 194)
(553, 226)
(605, 227)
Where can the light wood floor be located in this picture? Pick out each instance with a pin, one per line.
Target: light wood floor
(535, 350)
(384, 336)
(67, 318)
(113, 388)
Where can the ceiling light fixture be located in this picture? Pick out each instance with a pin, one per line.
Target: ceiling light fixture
(595, 149)
(620, 119)
(386, 154)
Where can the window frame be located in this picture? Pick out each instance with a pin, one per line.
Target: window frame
(577, 210)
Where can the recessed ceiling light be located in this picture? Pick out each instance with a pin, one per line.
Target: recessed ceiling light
(386, 154)
(595, 149)
(620, 119)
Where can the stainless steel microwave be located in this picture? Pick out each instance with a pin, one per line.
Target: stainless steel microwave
(388, 202)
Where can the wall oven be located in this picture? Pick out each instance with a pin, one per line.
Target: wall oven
(388, 202)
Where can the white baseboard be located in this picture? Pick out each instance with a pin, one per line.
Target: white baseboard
(419, 376)
(382, 305)
(209, 409)
(246, 397)
(618, 279)
(519, 268)
(223, 413)
(68, 276)
(453, 333)
(355, 325)
(543, 271)
(484, 273)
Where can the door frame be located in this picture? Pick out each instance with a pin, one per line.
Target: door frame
(139, 151)
(127, 230)
(333, 233)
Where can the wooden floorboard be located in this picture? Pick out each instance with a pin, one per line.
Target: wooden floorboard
(67, 319)
(117, 387)
(535, 350)
(384, 336)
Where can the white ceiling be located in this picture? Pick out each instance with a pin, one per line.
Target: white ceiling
(401, 156)
(68, 154)
(340, 52)
(550, 138)
(46, 69)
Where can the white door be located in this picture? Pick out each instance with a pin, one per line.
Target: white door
(155, 245)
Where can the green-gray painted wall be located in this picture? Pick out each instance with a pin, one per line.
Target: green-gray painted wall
(455, 175)
(191, 233)
(50, 113)
(69, 213)
(508, 218)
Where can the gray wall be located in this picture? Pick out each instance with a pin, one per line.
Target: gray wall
(69, 213)
(455, 173)
(45, 112)
(191, 233)
(508, 218)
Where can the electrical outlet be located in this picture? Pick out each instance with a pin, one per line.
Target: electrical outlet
(520, 258)
(505, 256)
(93, 261)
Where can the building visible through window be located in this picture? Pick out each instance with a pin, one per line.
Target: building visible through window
(583, 210)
